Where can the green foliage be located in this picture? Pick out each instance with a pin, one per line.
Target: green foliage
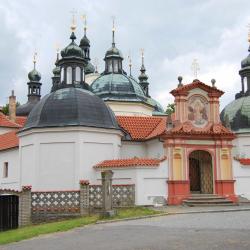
(52, 227)
(6, 108)
(170, 108)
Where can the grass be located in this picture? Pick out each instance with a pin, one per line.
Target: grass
(65, 225)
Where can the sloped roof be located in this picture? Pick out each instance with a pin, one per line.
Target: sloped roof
(142, 128)
(121, 163)
(9, 140)
(5, 122)
(197, 84)
(21, 120)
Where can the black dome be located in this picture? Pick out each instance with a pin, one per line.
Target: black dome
(71, 107)
(26, 108)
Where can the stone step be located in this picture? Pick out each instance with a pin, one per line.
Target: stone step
(210, 205)
(207, 200)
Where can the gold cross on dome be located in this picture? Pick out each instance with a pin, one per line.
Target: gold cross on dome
(34, 59)
(84, 18)
(73, 25)
(195, 67)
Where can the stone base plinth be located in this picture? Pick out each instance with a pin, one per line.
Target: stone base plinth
(225, 188)
(177, 191)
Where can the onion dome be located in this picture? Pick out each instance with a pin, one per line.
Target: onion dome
(56, 71)
(34, 76)
(71, 107)
(237, 113)
(113, 52)
(89, 69)
(246, 62)
(72, 50)
(84, 42)
(34, 91)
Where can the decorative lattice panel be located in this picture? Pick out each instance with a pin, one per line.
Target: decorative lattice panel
(63, 201)
(95, 196)
(123, 196)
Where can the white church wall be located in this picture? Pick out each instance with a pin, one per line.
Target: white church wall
(12, 181)
(130, 109)
(150, 183)
(155, 149)
(242, 145)
(133, 149)
(56, 159)
(242, 179)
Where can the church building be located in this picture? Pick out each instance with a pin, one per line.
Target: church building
(92, 121)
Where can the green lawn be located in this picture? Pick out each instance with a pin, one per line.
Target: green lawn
(35, 230)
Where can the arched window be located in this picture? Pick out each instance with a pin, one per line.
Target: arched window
(78, 74)
(116, 66)
(83, 76)
(62, 74)
(69, 75)
(110, 68)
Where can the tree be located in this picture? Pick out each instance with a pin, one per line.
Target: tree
(170, 108)
(6, 108)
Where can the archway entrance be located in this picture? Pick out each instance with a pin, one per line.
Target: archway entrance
(200, 172)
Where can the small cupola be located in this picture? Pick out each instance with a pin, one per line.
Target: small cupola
(245, 74)
(143, 78)
(34, 85)
(113, 57)
(72, 64)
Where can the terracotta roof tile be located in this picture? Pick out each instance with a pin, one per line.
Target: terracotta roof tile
(120, 163)
(142, 128)
(9, 140)
(21, 120)
(243, 161)
(5, 122)
(196, 84)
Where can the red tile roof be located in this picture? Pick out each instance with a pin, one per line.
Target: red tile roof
(120, 163)
(197, 84)
(142, 128)
(5, 122)
(21, 120)
(244, 161)
(9, 140)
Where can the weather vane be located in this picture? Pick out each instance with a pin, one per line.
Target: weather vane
(195, 67)
(73, 25)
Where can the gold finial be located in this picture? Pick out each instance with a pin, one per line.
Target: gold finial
(248, 26)
(84, 18)
(73, 24)
(113, 30)
(130, 63)
(34, 59)
(195, 67)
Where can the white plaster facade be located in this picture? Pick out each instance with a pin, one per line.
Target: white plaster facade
(241, 172)
(130, 108)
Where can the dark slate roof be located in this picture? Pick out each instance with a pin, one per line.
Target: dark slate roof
(71, 107)
(118, 87)
(26, 108)
(238, 113)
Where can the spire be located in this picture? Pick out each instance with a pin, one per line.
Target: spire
(130, 64)
(34, 59)
(143, 78)
(73, 26)
(84, 18)
(113, 32)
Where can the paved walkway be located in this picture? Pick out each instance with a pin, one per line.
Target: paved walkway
(206, 231)
(185, 209)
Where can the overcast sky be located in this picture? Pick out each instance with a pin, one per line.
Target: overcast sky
(172, 33)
